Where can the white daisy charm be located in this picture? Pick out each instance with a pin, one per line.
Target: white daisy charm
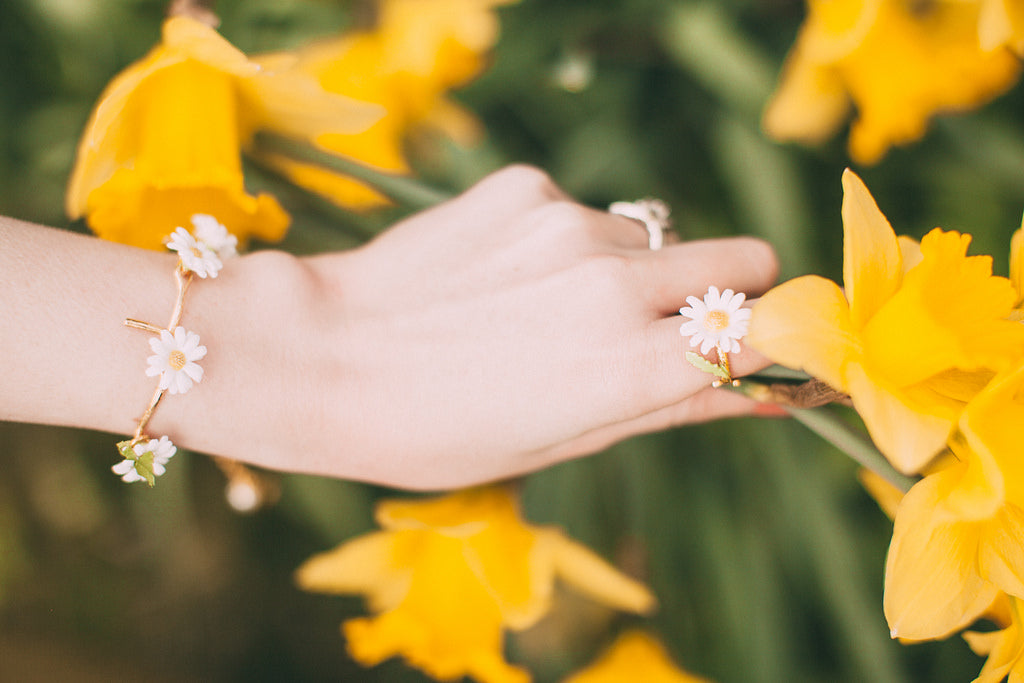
(145, 460)
(214, 235)
(717, 322)
(195, 256)
(174, 360)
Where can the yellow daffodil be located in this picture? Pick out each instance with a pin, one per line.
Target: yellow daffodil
(897, 61)
(164, 141)
(448, 575)
(634, 656)
(418, 50)
(910, 345)
(957, 535)
(1005, 646)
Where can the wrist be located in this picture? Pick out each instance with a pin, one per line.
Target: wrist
(254, 318)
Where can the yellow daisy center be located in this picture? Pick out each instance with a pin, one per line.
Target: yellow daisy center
(716, 320)
(176, 359)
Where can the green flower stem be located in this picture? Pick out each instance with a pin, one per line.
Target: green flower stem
(401, 189)
(824, 422)
(829, 426)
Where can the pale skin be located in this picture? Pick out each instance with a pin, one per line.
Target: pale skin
(496, 334)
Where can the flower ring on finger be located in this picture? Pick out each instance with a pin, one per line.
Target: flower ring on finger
(652, 213)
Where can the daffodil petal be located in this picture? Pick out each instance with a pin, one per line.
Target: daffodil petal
(343, 190)
(809, 104)
(1005, 647)
(459, 515)
(885, 494)
(834, 29)
(455, 121)
(1017, 265)
(447, 624)
(202, 43)
(991, 426)
(872, 262)
(634, 656)
(586, 571)
(805, 324)
(292, 103)
(982, 643)
(909, 438)
(1001, 24)
(363, 565)
(515, 567)
(931, 586)
(910, 249)
(1001, 561)
(994, 27)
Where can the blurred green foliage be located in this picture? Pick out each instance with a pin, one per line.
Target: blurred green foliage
(764, 551)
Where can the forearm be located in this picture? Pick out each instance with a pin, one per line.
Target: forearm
(71, 361)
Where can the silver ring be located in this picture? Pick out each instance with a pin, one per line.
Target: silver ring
(653, 213)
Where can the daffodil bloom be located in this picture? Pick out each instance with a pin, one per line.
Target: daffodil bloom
(634, 656)
(174, 360)
(447, 575)
(1005, 646)
(897, 61)
(417, 51)
(164, 141)
(917, 332)
(146, 459)
(956, 541)
(719, 321)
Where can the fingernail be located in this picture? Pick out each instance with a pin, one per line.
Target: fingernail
(770, 410)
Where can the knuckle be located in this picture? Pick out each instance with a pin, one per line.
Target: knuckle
(528, 181)
(565, 221)
(526, 176)
(608, 275)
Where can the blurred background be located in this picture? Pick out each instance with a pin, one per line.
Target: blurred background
(765, 553)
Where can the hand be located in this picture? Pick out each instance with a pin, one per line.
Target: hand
(503, 331)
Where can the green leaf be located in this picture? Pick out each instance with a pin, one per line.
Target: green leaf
(125, 449)
(698, 361)
(144, 466)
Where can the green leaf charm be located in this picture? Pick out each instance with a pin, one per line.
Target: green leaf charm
(143, 463)
(144, 466)
(698, 361)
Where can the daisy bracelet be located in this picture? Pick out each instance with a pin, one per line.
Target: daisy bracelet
(176, 350)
